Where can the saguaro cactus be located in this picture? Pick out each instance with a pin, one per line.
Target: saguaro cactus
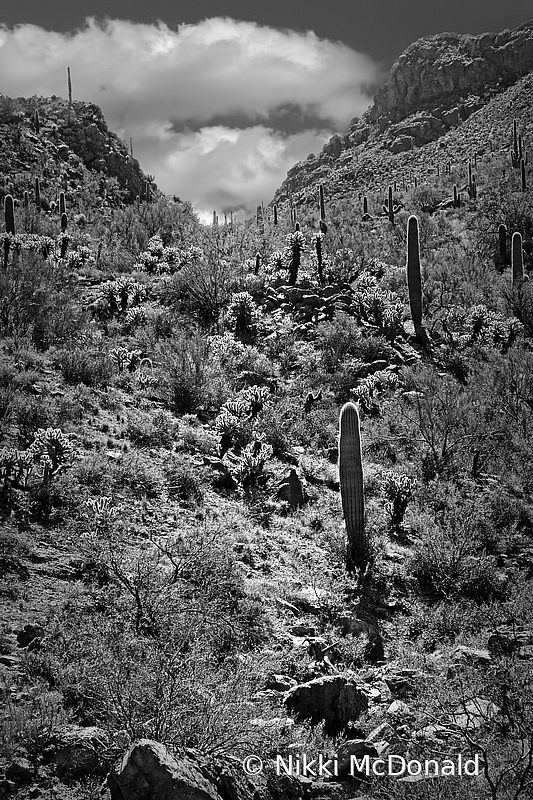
(502, 244)
(322, 223)
(414, 278)
(64, 222)
(62, 207)
(517, 260)
(523, 175)
(275, 215)
(37, 195)
(389, 208)
(36, 122)
(9, 214)
(351, 487)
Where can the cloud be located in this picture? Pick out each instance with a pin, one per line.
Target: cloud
(218, 111)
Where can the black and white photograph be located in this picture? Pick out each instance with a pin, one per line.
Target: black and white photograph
(266, 400)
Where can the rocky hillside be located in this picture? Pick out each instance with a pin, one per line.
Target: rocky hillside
(448, 97)
(41, 138)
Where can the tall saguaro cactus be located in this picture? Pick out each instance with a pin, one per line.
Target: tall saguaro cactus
(517, 259)
(502, 245)
(9, 214)
(351, 487)
(414, 278)
(322, 223)
(37, 195)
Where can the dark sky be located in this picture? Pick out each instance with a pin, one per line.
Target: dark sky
(382, 28)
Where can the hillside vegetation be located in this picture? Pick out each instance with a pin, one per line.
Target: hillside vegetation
(174, 558)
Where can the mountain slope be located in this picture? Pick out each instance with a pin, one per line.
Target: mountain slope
(443, 92)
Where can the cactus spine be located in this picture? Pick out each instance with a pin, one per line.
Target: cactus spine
(517, 260)
(9, 214)
(351, 487)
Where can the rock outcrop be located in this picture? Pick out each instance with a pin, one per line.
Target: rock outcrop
(436, 85)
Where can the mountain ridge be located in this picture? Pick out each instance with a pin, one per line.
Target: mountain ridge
(435, 86)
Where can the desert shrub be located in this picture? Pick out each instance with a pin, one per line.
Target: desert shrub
(337, 340)
(151, 430)
(139, 475)
(38, 299)
(83, 366)
(183, 481)
(32, 413)
(449, 561)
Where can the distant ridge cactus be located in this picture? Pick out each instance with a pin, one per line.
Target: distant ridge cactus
(389, 208)
(456, 197)
(351, 488)
(275, 215)
(414, 278)
(36, 122)
(523, 175)
(9, 214)
(517, 259)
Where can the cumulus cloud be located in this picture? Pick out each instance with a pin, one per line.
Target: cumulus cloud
(218, 111)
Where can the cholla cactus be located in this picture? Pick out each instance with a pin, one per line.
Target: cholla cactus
(399, 490)
(15, 467)
(242, 316)
(51, 451)
(135, 317)
(124, 358)
(251, 463)
(368, 391)
(123, 293)
(226, 425)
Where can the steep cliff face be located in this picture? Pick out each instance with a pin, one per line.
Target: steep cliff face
(450, 67)
(434, 87)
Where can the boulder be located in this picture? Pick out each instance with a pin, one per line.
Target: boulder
(79, 750)
(353, 747)
(28, 634)
(336, 700)
(148, 771)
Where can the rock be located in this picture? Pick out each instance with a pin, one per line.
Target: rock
(9, 661)
(399, 710)
(19, 771)
(471, 655)
(474, 713)
(402, 682)
(291, 489)
(302, 630)
(79, 750)
(332, 454)
(148, 771)
(354, 747)
(225, 479)
(280, 683)
(336, 700)
(28, 634)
